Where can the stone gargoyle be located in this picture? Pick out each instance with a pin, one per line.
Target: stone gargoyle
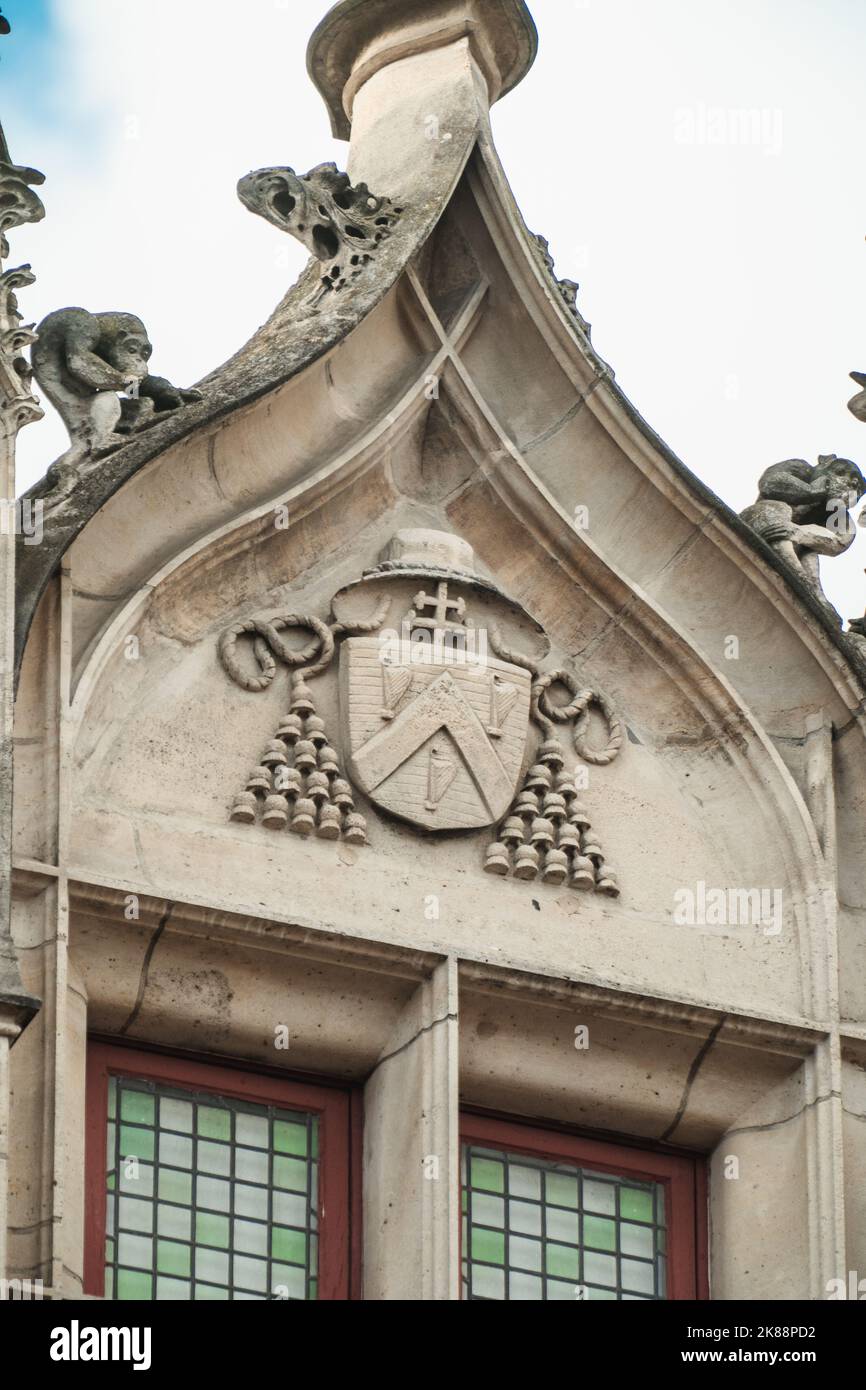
(802, 512)
(81, 361)
(340, 223)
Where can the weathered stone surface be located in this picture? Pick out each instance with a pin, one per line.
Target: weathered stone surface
(441, 434)
(341, 225)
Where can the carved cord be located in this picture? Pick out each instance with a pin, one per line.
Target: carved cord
(268, 645)
(578, 710)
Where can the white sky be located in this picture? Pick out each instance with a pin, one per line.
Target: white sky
(724, 280)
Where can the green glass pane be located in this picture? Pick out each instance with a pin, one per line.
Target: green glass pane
(314, 1138)
(561, 1189)
(109, 1251)
(464, 1200)
(210, 1291)
(111, 1134)
(131, 1284)
(112, 1097)
(175, 1187)
(487, 1173)
(563, 1261)
(290, 1138)
(212, 1230)
(289, 1246)
(172, 1258)
(599, 1233)
(635, 1204)
(314, 1288)
(213, 1123)
(111, 1182)
(488, 1245)
(137, 1143)
(138, 1107)
(109, 1283)
(290, 1173)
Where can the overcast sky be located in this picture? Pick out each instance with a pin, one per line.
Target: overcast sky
(696, 164)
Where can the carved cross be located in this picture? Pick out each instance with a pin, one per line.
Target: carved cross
(442, 606)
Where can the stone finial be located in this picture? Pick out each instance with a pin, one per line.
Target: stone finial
(802, 512)
(18, 204)
(357, 38)
(341, 224)
(81, 361)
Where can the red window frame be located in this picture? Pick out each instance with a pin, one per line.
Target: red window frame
(339, 1139)
(683, 1176)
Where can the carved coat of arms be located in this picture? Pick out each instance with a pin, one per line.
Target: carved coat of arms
(436, 717)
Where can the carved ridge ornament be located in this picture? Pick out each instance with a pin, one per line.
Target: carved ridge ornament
(435, 729)
(342, 224)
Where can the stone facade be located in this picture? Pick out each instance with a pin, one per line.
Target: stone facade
(399, 688)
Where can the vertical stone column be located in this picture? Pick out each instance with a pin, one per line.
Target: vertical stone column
(411, 1152)
(8, 1033)
(18, 204)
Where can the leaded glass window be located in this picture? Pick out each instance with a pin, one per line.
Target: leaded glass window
(208, 1197)
(535, 1229)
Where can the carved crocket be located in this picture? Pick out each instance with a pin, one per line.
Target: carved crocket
(341, 224)
(81, 360)
(802, 511)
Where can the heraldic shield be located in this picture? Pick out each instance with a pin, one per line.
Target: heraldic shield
(439, 742)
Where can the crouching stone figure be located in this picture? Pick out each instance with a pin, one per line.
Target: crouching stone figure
(802, 512)
(81, 361)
